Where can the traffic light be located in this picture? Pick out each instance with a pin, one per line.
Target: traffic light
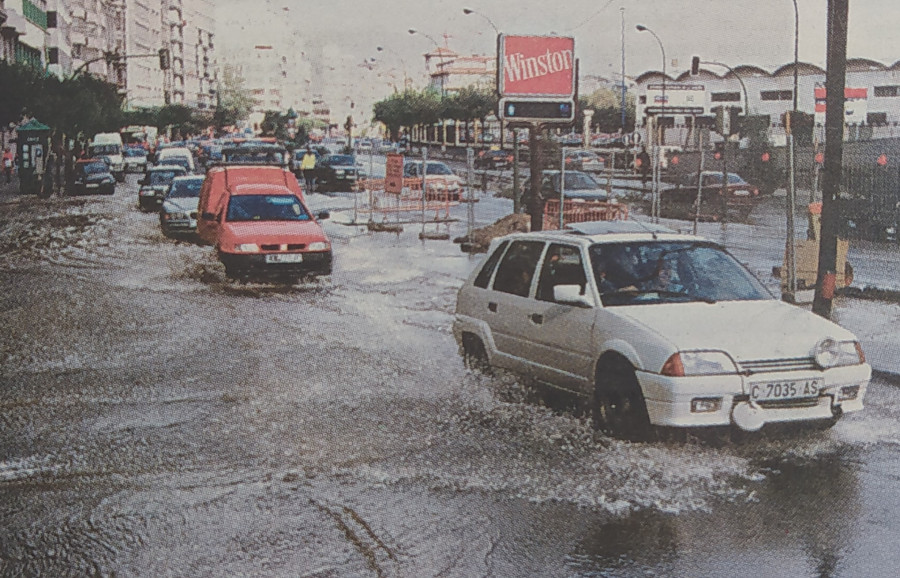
(165, 61)
(695, 66)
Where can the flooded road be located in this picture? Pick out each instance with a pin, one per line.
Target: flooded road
(158, 420)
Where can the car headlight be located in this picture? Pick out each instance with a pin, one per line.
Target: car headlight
(832, 353)
(319, 246)
(176, 215)
(685, 363)
(146, 192)
(246, 248)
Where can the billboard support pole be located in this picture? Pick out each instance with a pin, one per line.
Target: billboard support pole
(533, 202)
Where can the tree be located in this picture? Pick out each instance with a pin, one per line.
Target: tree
(607, 106)
(233, 101)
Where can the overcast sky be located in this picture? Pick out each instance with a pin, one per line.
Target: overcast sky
(760, 32)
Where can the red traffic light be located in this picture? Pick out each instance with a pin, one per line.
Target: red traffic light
(717, 156)
(882, 160)
(820, 158)
(765, 157)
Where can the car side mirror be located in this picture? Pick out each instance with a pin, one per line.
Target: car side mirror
(571, 295)
(323, 215)
(207, 216)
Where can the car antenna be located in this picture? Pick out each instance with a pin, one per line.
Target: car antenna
(643, 226)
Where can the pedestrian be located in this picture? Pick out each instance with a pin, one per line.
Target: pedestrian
(8, 164)
(643, 164)
(307, 167)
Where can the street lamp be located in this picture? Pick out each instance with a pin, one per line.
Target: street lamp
(792, 191)
(402, 62)
(655, 204)
(468, 11)
(440, 54)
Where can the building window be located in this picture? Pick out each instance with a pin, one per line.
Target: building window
(776, 95)
(34, 14)
(642, 99)
(51, 19)
(53, 56)
(726, 96)
(887, 91)
(876, 118)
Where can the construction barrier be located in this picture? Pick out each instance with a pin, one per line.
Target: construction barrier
(436, 198)
(581, 211)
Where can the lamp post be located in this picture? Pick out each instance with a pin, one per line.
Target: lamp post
(468, 11)
(790, 258)
(402, 62)
(413, 31)
(660, 130)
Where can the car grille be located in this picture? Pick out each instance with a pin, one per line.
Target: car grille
(790, 403)
(772, 365)
(288, 247)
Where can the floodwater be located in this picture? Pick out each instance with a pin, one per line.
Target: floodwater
(159, 420)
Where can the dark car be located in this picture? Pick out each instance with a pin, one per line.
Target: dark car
(155, 184)
(579, 185)
(717, 202)
(178, 214)
(336, 173)
(92, 176)
(177, 162)
(134, 159)
(493, 159)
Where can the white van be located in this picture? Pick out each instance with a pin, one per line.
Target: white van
(109, 145)
(177, 152)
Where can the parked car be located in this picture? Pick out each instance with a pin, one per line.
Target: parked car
(135, 159)
(177, 155)
(579, 185)
(258, 221)
(178, 214)
(493, 159)
(441, 181)
(336, 173)
(155, 184)
(703, 345)
(582, 160)
(736, 200)
(92, 176)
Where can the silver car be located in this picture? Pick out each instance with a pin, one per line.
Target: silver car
(178, 215)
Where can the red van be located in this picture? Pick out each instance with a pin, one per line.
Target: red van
(258, 221)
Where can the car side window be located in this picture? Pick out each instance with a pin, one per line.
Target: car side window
(563, 265)
(484, 276)
(516, 270)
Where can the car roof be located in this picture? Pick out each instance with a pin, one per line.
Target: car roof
(593, 232)
(166, 168)
(184, 178)
(262, 189)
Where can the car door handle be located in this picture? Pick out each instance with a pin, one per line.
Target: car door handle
(536, 318)
(492, 307)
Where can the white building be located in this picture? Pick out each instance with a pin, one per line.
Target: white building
(23, 31)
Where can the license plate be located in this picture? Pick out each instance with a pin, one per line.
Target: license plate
(742, 193)
(793, 389)
(284, 258)
(93, 186)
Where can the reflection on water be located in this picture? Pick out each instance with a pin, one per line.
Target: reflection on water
(800, 521)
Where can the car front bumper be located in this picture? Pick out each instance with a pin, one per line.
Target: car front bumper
(255, 265)
(669, 399)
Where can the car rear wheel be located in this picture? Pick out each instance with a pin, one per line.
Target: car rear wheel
(474, 354)
(619, 407)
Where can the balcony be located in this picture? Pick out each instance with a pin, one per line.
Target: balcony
(34, 14)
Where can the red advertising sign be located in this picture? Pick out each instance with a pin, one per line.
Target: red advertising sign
(393, 176)
(540, 66)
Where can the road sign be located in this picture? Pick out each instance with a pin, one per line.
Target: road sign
(393, 176)
(526, 110)
(687, 99)
(536, 66)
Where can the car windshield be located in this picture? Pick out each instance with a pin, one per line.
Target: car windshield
(339, 160)
(716, 179)
(95, 168)
(576, 182)
(110, 149)
(158, 178)
(186, 189)
(670, 272)
(132, 152)
(265, 208)
(438, 169)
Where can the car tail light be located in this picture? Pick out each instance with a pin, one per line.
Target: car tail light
(509, 159)
(755, 192)
(481, 154)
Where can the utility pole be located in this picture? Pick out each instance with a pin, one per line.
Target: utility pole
(533, 202)
(835, 78)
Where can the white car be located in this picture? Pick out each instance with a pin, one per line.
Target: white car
(657, 329)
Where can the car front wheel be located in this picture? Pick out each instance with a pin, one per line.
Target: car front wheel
(474, 354)
(619, 408)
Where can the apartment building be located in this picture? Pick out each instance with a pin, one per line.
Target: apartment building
(23, 31)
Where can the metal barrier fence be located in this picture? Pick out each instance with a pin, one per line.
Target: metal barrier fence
(435, 196)
(578, 211)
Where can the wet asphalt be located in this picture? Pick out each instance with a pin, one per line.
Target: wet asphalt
(156, 419)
